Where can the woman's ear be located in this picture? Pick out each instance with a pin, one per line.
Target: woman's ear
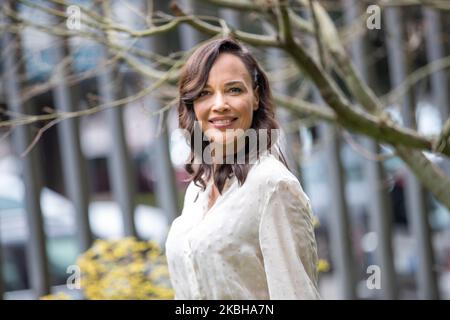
(256, 95)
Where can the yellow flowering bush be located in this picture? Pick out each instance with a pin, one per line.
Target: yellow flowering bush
(323, 266)
(56, 296)
(124, 269)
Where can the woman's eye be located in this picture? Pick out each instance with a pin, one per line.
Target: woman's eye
(202, 94)
(236, 90)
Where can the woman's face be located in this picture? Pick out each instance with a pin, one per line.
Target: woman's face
(227, 101)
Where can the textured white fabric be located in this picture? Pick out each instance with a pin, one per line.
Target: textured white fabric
(256, 242)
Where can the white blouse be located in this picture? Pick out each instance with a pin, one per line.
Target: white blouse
(256, 241)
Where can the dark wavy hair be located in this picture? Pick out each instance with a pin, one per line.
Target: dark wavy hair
(193, 79)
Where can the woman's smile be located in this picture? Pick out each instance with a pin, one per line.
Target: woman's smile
(223, 122)
(227, 101)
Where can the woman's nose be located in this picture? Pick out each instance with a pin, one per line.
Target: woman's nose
(219, 103)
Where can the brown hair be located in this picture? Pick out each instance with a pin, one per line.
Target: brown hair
(193, 79)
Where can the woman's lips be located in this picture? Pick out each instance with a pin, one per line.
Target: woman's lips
(222, 123)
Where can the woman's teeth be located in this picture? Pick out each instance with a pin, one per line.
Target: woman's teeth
(222, 121)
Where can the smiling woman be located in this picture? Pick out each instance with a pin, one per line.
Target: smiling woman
(224, 91)
(246, 229)
(227, 100)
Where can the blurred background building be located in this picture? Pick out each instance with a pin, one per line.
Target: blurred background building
(119, 171)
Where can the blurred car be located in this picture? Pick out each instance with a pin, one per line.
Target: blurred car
(60, 229)
(364, 240)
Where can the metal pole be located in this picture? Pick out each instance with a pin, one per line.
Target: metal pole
(339, 220)
(165, 186)
(339, 227)
(119, 164)
(2, 287)
(189, 36)
(290, 138)
(439, 80)
(378, 205)
(75, 177)
(415, 199)
(435, 51)
(37, 263)
(2, 283)
(166, 190)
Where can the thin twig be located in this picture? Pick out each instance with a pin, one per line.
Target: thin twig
(317, 33)
(442, 139)
(251, 38)
(369, 155)
(415, 77)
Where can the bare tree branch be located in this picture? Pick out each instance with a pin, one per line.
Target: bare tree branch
(303, 108)
(253, 39)
(317, 34)
(429, 174)
(414, 77)
(442, 140)
(381, 128)
(367, 116)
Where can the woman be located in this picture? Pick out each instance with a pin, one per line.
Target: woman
(246, 230)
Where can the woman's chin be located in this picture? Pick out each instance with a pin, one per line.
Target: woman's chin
(226, 143)
(222, 141)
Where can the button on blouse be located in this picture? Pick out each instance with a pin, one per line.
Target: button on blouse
(255, 242)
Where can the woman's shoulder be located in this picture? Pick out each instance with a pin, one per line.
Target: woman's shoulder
(269, 170)
(271, 178)
(192, 192)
